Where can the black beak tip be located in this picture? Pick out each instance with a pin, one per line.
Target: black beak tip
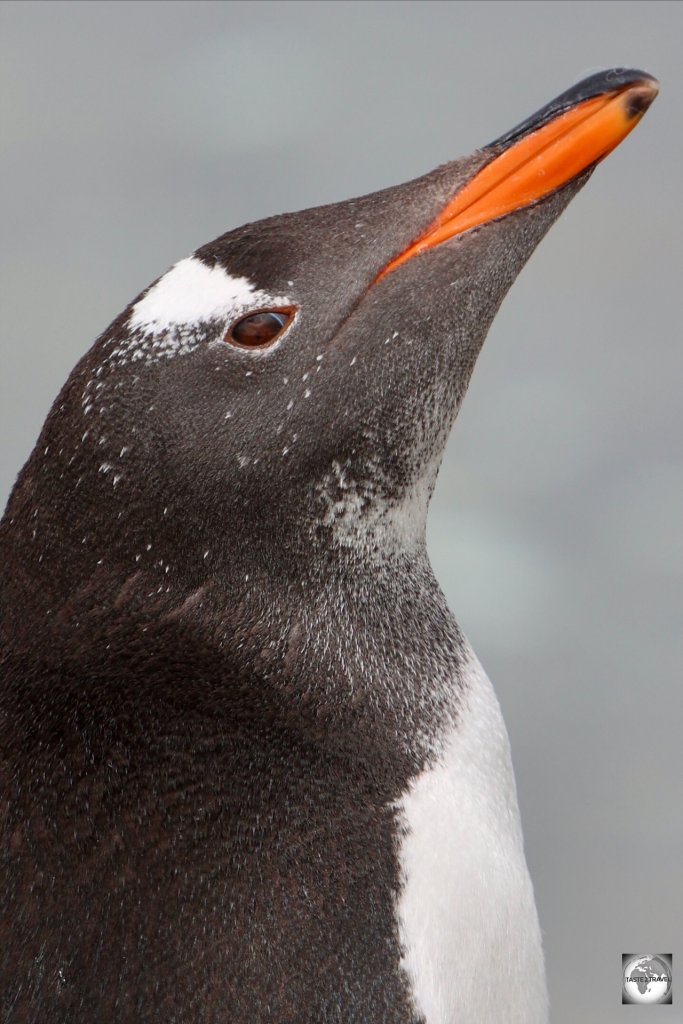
(587, 89)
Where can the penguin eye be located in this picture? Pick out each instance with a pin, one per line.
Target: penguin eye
(259, 329)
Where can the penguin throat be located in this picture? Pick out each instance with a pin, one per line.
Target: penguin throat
(362, 512)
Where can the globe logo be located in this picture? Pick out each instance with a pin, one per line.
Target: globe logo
(647, 978)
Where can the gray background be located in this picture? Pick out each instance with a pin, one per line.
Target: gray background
(133, 132)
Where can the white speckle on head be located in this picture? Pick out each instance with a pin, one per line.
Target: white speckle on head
(243, 460)
(359, 514)
(307, 393)
(290, 404)
(466, 911)
(353, 361)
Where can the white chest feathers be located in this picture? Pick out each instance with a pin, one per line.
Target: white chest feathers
(468, 924)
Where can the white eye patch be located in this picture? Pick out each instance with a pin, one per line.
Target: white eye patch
(189, 306)
(190, 292)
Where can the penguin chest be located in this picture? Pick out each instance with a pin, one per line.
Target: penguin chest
(467, 919)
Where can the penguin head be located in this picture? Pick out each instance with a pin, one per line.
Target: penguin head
(295, 381)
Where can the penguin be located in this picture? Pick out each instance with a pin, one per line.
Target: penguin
(252, 770)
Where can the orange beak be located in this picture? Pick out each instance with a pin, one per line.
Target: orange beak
(542, 161)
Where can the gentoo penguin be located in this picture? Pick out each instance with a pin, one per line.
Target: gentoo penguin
(251, 769)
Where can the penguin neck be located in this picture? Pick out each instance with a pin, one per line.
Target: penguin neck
(337, 615)
(333, 643)
(68, 551)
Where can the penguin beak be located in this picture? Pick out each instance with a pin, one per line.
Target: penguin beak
(551, 148)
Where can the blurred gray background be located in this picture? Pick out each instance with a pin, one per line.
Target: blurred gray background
(133, 132)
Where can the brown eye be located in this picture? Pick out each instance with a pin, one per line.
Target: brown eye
(259, 329)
